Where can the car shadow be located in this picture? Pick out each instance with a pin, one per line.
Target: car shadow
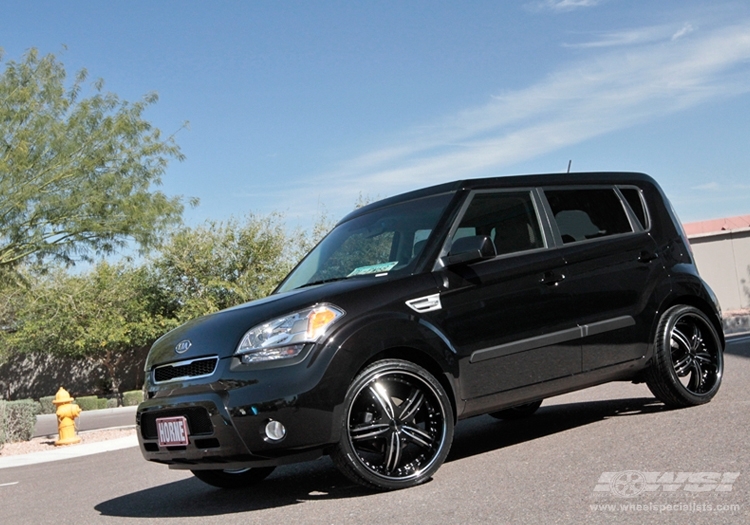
(288, 485)
(319, 479)
(483, 434)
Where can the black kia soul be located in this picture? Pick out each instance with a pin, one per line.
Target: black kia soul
(474, 297)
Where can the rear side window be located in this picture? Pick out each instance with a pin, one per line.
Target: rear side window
(587, 213)
(508, 218)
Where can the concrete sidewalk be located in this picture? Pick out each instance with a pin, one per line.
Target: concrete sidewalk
(68, 452)
(46, 426)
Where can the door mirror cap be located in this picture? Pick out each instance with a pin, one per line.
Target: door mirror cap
(470, 249)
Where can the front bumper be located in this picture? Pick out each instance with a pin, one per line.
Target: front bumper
(227, 418)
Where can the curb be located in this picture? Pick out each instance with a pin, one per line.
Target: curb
(68, 452)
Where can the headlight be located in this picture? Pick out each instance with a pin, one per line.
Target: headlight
(285, 337)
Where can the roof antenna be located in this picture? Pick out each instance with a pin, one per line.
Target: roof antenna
(569, 163)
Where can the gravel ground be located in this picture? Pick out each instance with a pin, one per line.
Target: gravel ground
(43, 443)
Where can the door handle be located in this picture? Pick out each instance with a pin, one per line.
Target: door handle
(552, 278)
(646, 256)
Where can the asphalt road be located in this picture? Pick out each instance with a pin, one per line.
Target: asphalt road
(609, 454)
(46, 424)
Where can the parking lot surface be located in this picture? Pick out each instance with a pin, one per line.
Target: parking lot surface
(608, 454)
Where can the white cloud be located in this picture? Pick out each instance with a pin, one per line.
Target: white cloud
(686, 29)
(709, 186)
(643, 35)
(614, 90)
(564, 5)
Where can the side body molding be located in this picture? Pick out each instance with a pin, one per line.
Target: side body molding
(561, 336)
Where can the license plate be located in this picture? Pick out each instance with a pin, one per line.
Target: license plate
(172, 431)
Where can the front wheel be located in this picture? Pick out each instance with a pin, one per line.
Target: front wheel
(233, 479)
(397, 427)
(688, 358)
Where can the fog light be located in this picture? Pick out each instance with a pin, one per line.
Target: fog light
(275, 431)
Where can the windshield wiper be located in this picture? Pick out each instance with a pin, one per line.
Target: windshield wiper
(323, 281)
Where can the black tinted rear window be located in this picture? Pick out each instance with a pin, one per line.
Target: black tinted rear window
(583, 214)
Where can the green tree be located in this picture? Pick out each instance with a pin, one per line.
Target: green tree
(304, 240)
(96, 315)
(221, 264)
(76, 174)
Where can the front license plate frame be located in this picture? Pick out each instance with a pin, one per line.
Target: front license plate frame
(173, 431)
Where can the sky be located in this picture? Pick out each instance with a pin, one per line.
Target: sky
(304, 108)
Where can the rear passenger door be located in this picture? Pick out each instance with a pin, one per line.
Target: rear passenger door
(611, 269)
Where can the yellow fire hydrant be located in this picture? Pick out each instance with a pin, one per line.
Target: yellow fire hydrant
(67, 412)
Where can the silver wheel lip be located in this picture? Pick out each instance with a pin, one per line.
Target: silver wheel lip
(715, 352)
(436, 395)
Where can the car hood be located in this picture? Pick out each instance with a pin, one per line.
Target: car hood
(220, 333)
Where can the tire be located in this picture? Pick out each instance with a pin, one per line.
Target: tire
(518, 412)
(233, 479)
(688, 359)
(397, 427)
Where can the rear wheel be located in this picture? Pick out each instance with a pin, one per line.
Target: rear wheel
(233, 479)
(518, 412)
(397, 427)
(688, 358)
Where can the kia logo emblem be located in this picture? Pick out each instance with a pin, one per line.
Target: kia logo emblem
(183, 346)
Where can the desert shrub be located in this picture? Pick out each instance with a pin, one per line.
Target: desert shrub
(132, 398)
(87, 402)
(46, 406)
(2, 423)
(17, 420)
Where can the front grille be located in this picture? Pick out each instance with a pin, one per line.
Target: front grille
(199, 422)
(185, 369)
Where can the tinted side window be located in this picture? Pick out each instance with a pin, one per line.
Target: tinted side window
(508, 218)
(635, 201)
(583, 214)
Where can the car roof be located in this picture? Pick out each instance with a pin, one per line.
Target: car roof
(510, 181)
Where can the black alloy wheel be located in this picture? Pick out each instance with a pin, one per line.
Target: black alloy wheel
(688, 358)
(398, 426)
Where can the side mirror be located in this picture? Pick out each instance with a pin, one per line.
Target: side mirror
(470, 249)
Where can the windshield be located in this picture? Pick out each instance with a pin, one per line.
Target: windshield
(380, 242)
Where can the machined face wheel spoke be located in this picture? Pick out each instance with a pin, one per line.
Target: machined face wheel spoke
(682, 365)
(696, 379)
(682, 340)
(412, 405)
(369, 431)
(393, 452)
(380, 394)
(704, 357)
(681, 356)
(696, 342)
(418, 437)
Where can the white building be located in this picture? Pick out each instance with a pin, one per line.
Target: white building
(722, 253)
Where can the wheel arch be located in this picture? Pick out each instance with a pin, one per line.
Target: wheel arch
(703, 304)
(427, 362)
(398, 336)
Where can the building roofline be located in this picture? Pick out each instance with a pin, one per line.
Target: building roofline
(715, 227)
